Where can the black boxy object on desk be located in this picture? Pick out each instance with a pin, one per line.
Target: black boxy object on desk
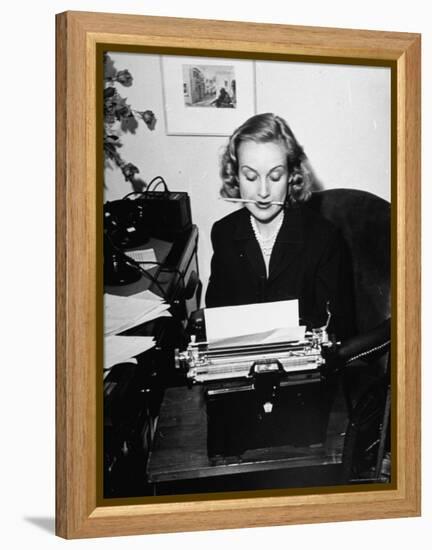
(168, 213)
(239, 420)
(160, 214)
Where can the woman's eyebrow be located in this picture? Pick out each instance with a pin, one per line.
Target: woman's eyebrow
(269, 172)
(271, 169)
(277, 167)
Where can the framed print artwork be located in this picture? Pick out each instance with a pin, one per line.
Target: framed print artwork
(238, 274)
(206, 95)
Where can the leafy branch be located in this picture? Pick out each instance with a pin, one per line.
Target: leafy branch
(120, 117)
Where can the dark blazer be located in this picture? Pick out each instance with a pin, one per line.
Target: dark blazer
(308, 262)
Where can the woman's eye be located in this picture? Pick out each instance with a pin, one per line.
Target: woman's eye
(251, 177)
(275, 177)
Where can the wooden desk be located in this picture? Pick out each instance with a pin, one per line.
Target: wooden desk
(178, 461)
(180, 262)
(133, 393)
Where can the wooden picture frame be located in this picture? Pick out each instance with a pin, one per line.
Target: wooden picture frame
(80, 36)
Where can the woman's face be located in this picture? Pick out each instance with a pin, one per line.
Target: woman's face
(263, 178)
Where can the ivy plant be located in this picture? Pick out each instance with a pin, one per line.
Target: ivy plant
(119, 118)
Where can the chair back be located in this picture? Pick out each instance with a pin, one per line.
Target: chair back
(364, 222)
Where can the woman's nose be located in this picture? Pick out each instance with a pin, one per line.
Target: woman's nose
(264, 189)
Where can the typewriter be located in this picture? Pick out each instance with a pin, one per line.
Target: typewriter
(260, 396)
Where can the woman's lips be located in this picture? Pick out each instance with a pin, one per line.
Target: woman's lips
(263, 204)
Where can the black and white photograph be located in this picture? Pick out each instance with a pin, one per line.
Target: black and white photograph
(246, 278)
(209, 86)
(205, 96)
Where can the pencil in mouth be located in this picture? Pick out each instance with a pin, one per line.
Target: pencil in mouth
(279, 203)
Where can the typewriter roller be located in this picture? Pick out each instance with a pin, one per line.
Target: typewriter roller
(204, 364)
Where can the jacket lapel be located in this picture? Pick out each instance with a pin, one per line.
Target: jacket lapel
(288, 243)
(247, 245)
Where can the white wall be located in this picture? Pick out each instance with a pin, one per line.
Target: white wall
(27, 275)
(340, 114)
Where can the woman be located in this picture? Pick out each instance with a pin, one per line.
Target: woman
(276, 247)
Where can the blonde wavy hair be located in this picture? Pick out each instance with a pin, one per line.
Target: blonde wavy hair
(265, 128)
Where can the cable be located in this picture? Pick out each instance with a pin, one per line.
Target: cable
(368, 352)
(133, 193)
(158, 180)
(164, 184)
(164, 267)
(138, 266)
(148, 275)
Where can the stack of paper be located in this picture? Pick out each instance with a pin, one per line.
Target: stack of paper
(266, 323)
(149, 295)
(124, 312)
(119, 349)
(146, 257)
